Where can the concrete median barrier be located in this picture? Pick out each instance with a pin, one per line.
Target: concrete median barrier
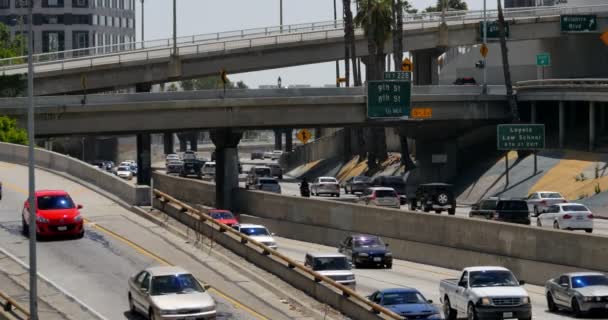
(129, 193)
(534, 254)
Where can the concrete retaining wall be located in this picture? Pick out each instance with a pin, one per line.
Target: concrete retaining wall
(534, 254)
(131, 194)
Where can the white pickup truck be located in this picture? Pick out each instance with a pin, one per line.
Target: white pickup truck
(485, 293)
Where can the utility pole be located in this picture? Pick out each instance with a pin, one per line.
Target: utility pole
(281, 14)
(30, 165)
(337, 61)
(485, 43)
(142, 23)
(174, 28)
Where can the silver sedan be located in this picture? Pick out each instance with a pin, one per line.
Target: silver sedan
(163, 293)
(579, 292)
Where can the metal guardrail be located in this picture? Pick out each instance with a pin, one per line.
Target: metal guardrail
(10, 305)
(222, 38)
(562, 83)
(290, 263)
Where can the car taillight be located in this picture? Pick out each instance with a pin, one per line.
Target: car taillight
(590, 216)
(564, 201)
(373, 197)
(567, 216)
(543, 202)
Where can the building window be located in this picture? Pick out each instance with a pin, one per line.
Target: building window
(80, 3)
(123, 22)
(121, 4)
(52, 3)
(114, 4)
(109, 21)
(5, 4)
(81, 19)
(80, 39)
(117, 22)
(102, 20)
(107, 44)
(95, 20)
(107, 3)
(22, 3)
(52, 41)
(99, 3)
(130, 21)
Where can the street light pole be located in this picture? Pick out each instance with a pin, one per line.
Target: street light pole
(281, 14)
(30, 165)
(142, 23)
(337, 61)
(174, 28)
(485, 43)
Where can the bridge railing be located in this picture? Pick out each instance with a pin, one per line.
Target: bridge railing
(409, 20)
(9, 305)
(557, 83)
(347, 292)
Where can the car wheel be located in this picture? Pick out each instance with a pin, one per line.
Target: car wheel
(452, 211)
(151, 315)
(413, 205)
(80, 235)
(426, 209)
(389, 265)
(539, 223)
(132, 305)
(576, 309)
(450, 314)
(535, 211)
(443, 199)
(337, 195)
(556, 225)
(24, 227)
(471, 315)
(589, 230)
(550, 303)
(437, 211)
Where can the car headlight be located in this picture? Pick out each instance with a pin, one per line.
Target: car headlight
(351, 277)
(78, 218)
(42, 219)
(588, 299)
(486, 301)
(525, 300)
(388, 254)
(362, 254)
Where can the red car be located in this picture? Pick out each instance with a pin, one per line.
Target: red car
(56, 215)
(224, 216)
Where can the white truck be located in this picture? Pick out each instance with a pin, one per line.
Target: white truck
(485, 293)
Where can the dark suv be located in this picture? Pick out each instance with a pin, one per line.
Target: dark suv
(395, 182)
(434, 196)
(191, 165)
(364, 249)
(514, 210)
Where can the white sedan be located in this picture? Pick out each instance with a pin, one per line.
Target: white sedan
(568, 216)
(541, 200)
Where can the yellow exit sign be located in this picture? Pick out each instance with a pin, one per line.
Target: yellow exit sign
(422, 113)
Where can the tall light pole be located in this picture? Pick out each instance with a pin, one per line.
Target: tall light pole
(142, 23)
(281, 14)
(30, 164)
(337, 61)
(485, 43)
(174, 28)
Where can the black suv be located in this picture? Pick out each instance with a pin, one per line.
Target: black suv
(191, 165)
(434, 196)
(513, 210)
(364, 249)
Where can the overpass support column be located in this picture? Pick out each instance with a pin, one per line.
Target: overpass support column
(602, 107)
(288, 140)
(533, 112)
(227, 167)
(278, 139)
(144, 159)
(591, 125)
(562, 123)
(168, 143)
(426, 69)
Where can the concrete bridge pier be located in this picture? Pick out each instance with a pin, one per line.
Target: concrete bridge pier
(227, 166)
(437, 161)
(426, 68)
(144, 159)
(278, 139)
(169, 146)
(288, 140)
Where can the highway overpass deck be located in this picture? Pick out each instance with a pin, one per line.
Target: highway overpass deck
(248, 109)
(267, 50)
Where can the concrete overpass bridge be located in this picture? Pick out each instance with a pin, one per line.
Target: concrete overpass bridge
(118, 66)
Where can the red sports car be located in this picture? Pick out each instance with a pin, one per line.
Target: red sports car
(56, 214)
(224, 216)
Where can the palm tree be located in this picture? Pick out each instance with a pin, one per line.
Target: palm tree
(505, 65)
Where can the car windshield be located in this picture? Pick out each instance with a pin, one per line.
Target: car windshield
(368, 242)
(327, 180)
(124, 169)
(331, 263)
(395, 298)
(362, 179)
(495, 278)
(586, 281)
(174, 284)
(268, 181)
(512, 205)
(550, 195)
(386, 194)
(222, 215)
(262, 171)
(255, 231)
(55, 202)
(574, 208)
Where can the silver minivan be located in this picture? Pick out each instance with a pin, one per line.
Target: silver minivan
(332, 265)
(268, 184)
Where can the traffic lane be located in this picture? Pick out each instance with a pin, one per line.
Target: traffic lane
(100, 261)
(423, 277)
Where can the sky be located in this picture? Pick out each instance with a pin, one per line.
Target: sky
(204, 16)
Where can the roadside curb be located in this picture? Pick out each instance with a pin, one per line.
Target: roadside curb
(224, 259)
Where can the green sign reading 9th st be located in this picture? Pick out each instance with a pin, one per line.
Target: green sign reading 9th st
(520, 136)
(388, 99)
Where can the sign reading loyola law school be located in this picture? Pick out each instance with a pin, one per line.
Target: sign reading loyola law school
(520, 136)
(578, 23)
(493, 31)
(388, 99)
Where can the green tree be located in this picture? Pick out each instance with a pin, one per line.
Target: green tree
(172, 87)
(14, 85)
(451, 5)
(9, 132)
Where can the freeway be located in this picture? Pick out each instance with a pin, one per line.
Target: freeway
(116, 245)
(405, 273)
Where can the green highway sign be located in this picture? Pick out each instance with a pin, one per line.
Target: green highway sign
(520, 136)
(388, 99)
(493, 32)
(398, 75)
(578, 23)
(543, 59)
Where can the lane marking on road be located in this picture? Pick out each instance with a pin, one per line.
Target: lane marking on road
(149, 254)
